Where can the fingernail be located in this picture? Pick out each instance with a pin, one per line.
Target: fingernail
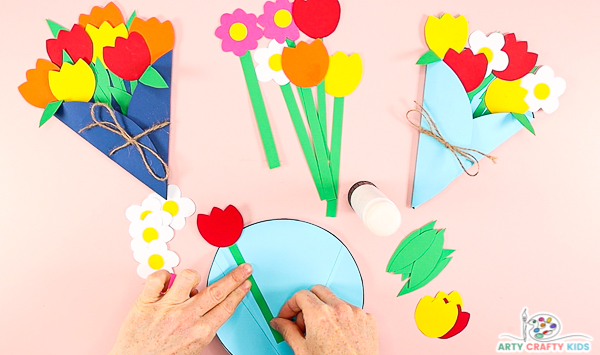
(247, 269)
(246, 285)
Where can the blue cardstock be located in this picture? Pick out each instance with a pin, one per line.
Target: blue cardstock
(448, 105)
(287, 256)
(148, 106)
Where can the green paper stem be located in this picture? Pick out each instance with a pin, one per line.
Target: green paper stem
(302, 134)
(331, 208)
(483, 85)
(122, 97)
(319, 144)
(480, 110)
(321, 104)
(133, 84)
(55, 28)
(260, 112)
(524, 121)
(130, 19)
(67, 57)
(258, 296)
(49, 111)
(336, 150)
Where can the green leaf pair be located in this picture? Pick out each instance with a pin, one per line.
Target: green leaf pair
(420, 256)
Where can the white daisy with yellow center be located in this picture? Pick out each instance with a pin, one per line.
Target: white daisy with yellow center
(155, 257)
(543, 89)
(491, 46)
(137, 213)
(178, 207)
(269, 63)
(150, 229)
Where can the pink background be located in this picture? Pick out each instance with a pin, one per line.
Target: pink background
(525, 230)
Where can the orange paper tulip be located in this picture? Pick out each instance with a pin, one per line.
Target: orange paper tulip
(158, 35)
(36, 90)
(110, 13)
(307, 64)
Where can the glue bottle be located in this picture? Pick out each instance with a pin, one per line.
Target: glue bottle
(379, 214)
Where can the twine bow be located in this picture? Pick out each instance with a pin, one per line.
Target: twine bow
(434, 133)
(116, 128)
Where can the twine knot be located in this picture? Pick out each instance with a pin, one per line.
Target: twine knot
(116, 128)
(434, 133)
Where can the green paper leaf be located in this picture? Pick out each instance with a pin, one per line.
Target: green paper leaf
(152, 78)
(425, 264)
(67, 57)
(408, 287)
(130, 19)
(290, 43)
(411, 250)
(524, 121)
(428, 226)
(102, 92)
(55, 28)
(256, 293)
(480, 110)
(133, 84)
(117, 82)
(122, 97)
(49, 111)
(428, 58)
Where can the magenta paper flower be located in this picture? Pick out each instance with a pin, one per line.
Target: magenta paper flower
(239, 32)
(278, 22)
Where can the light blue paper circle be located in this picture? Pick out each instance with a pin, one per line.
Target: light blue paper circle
(287, 256)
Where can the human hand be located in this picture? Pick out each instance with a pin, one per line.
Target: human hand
(326, 325)
(183, 320)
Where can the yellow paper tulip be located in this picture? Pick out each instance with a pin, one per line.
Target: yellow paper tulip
(446, 32)
(343, 75)
(506, 96)
(436, 316)
(73, 82)
(104, 36)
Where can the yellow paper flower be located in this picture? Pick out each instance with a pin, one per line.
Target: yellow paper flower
(506, 96)
(446, 32)
(343, 75)
(73, 82)
(104, 36)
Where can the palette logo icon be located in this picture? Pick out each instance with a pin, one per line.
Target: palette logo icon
(542, 333)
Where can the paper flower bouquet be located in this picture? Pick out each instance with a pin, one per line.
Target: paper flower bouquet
(108, 79)
(475, 99)
(306, 65)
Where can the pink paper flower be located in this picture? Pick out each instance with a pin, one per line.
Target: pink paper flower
(278, 22)
(239, 32)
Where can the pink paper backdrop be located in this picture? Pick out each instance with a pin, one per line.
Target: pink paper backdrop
(525, 230)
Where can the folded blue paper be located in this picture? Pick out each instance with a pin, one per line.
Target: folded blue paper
(448, 105)
(148, 107)
(287, 256)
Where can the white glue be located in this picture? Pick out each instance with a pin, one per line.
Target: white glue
(379, 214)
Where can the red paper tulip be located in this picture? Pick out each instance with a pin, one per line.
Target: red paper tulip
(221, 228)
(520, 62)
(76, 42)
(469, 68)
(129, 58)
(460, 325)
(316, 18)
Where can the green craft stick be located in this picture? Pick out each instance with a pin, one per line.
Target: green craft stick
(49, 111)
(428, 58)
(117, 82)
(258, 296)
(260, 112)
(336, 150)
(524, 121)
(305, 143)
(67, 57)
(483, 85)
(122, 97)
(130, 19)
(55, 28)
(152, 78)
(322, 106)
(329, 192)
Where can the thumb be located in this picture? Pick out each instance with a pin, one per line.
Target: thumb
(291, 333)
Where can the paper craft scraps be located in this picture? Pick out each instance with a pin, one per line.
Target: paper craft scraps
(441, 317)
(152, 226)
(475, 99)
(420, 256)
(301, 64)
(109, 80)
(318, 257)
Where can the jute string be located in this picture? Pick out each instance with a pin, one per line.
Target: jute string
(116, 128)
(434, 133)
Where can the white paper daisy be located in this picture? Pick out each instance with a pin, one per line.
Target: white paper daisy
(543, 89)
(269, 63)
(137, 213)
(148, 230)
(491, 46)
(156, 257)
(178, 207)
